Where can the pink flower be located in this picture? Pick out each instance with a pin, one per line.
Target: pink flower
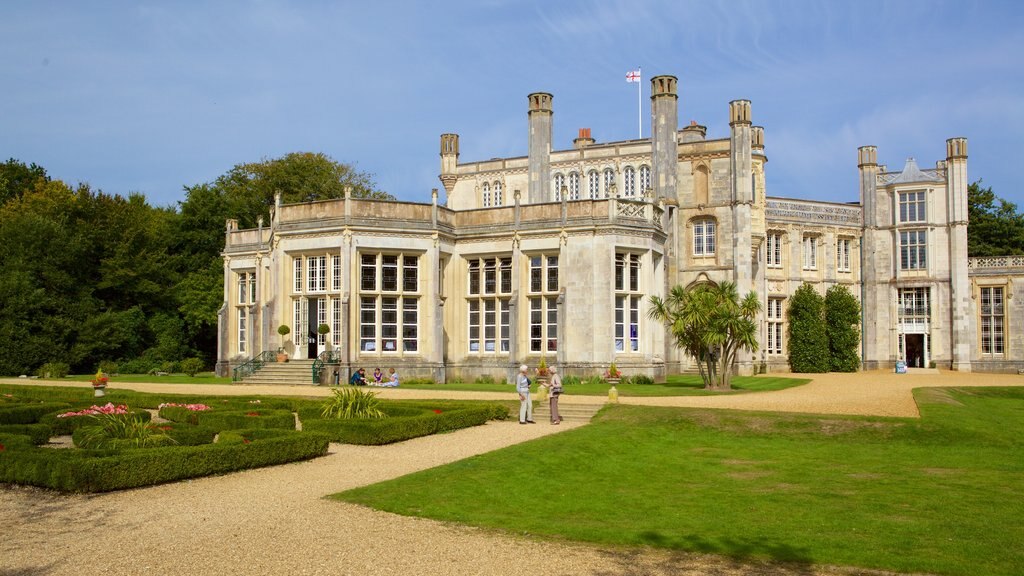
(191, 407)
(109, 408)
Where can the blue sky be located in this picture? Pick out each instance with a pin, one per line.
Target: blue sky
(151, 97)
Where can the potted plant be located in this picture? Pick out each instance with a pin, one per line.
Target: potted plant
(283, 330)
(99, 384)
(612, 376)
(542, 379)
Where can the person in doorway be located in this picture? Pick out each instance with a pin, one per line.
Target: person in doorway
(358, 378)
(525, 404)
(555, 390)
(392, 381)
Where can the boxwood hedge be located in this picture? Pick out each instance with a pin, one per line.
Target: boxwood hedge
(398, 428)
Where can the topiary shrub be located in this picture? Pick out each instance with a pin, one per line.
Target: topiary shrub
(191, 366)
(53, 370)
(808, 342)
(842, 327)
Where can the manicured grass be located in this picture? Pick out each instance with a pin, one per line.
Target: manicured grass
(940, 495)
(676, 385)
(177, 378)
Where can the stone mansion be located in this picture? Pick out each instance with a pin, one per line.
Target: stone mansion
(554, 255)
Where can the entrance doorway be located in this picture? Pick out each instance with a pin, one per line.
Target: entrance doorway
(312, 322)
(914, 350)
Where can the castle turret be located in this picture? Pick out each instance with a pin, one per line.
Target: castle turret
(875, 262)
(540, 115)
(664, 144)
(960, 285)
(741, 168)
(449, 161)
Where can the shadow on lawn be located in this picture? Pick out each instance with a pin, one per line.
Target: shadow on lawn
(721, 558)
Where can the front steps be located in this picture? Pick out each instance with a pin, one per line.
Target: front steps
(295, 372)
(569, 412)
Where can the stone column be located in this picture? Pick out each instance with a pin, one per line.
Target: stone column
(539, 160)
(664, 125)
(964, 328)
(741, 169)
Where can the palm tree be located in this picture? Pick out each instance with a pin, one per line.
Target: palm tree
(712, 324)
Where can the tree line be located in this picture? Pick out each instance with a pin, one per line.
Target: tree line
(90, 277)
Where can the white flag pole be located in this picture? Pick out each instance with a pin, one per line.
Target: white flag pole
(639, 105)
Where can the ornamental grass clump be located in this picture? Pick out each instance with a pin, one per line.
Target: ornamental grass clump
(351, 403)
(120, 431)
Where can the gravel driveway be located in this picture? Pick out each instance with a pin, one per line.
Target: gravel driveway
(275, 520)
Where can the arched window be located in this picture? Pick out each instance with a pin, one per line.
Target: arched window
(594, 184)
(609, 182)
(629, 181)
(704, 237)
(559, 184)
(487, 195)
(645, 179)
(574, 186)
(499, 200)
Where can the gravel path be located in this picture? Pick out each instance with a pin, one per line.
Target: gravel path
(276, 521)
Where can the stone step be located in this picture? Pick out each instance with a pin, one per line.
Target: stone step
(568, 412)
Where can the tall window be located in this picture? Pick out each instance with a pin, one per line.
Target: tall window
(810, 252)
(389, 303)
(321, 318)
(490, 288)
(704, 237)
(645, 179)
(574, 186)
(486, 191)
(246, 288)
(629, 181)
(913, 249)
(543, 291)
(335, 321)
(559, 184)
(243, 318)
(316, 273)
(609, 182)
(627, 302)
(297, 274)
(912, 206)
(773, 252)
(774, 314)
(594, 184)
(843, 255)
(992, 320)
(335, 273)
(914, 305)
(499, 197)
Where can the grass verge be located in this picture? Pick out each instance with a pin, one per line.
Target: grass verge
(676, 385)
(939, 495)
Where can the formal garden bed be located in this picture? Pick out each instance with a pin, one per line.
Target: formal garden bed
(138, 439)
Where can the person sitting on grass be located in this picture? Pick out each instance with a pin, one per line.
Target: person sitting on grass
(392, 381)
(358, 378)
(378, 376)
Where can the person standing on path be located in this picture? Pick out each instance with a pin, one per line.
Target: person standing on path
(525, 405)
(555, 386)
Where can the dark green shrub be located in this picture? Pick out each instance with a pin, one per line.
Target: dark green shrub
(68, 425)
(191, 366)
(138, 366)
(842, 327)
(14, 442)
(570, 380)
(641, 379)
(808, 342)
(256, 418)
(53, 370)
(396, 429)
(108, 367)
(39, 433)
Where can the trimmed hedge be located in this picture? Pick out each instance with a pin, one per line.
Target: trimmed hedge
(279, 419)
(28, 413)
(105, 470)
(68, 425)
(39, 433)
(375, 432)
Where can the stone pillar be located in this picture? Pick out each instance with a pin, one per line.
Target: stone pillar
(873, 253)
(539, 160)
(741, 169)
(664, 124)
(964, 329)
(449, 163)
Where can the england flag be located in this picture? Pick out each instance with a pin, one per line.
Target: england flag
(633, 76)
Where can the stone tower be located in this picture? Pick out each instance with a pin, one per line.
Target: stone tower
(741, 169)
(876, 255)
(540, 115)
(960, 287)
(664, 124)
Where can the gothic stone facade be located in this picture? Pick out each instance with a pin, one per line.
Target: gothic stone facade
(554, 255)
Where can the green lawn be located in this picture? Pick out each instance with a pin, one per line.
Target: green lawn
(676, 385)
(939, 495)
(177, 378)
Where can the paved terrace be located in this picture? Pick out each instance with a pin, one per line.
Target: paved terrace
(275, 520)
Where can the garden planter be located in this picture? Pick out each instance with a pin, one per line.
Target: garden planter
(99, 391)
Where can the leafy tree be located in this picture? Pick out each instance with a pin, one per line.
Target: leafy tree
(994, 227)
(712, 324)
(16, 178)
(808, 341)
(842, 319)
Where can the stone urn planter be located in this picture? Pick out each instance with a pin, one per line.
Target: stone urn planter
(99, 391)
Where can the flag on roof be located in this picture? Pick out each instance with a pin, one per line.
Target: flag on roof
(633, 76)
